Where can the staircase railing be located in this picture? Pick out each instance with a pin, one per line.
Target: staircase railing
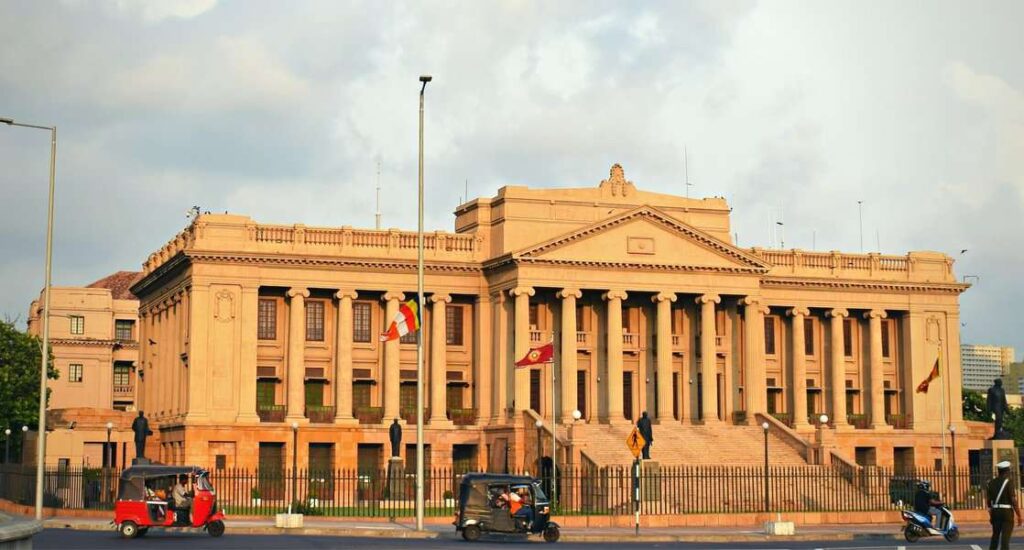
(787, 435)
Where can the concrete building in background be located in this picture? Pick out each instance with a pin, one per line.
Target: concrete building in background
(983, 364)
(248, 327)
(1013, 380)
(94, 338)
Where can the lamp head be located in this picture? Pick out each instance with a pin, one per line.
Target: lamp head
(576, 415)
(764, 426)
(952, 429)
(295, 425)
(426, 78)
(7, 431)
(539, 423)
(823, 418)
(110, 425)
(24, 428)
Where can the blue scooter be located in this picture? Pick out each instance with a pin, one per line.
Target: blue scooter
(919, 526)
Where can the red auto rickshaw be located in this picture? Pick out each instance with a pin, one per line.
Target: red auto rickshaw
(144, 501)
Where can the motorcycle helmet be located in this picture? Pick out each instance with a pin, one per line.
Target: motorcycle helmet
(923, 484)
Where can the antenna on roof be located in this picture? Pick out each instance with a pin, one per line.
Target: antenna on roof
(377, 215)
(686, 171)
(878, 242)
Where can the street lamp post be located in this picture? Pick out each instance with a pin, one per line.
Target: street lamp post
(952, 435)
(41, 448)
(540, 447)
(107, 459)
(295, 465)
(764, 427)
(7, 446)
(419, 339)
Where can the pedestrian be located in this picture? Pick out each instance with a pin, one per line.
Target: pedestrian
(644, 426)
(1001, 501)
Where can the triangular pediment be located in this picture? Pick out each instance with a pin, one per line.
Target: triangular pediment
(643, 236)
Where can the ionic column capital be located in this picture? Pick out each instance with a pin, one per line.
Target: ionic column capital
(521, 290)
(837, 313)
(298, 291)
(706, 298)
(437, 297)
(798, 312)
(567, 292)
(615, 295)
(663, 296)
(346, 293)
(876, 314)
(393, 295)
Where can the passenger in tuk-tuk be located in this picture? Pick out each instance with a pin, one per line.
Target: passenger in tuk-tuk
(519, 505)
(182, 499)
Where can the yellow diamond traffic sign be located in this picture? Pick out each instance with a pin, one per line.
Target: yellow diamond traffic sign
(635, 442)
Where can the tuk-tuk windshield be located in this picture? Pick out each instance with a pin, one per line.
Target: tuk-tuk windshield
(538, 493)
(203, 483)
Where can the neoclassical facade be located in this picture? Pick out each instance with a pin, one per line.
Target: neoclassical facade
(247, 328)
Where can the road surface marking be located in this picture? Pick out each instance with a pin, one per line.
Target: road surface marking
(975, 547)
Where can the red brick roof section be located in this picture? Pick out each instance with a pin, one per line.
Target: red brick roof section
(119, 283)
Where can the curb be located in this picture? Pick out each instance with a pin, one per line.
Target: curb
(259, 530)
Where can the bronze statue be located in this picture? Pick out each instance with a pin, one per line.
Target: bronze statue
(997, 406)
(395, 434)
(141, 428)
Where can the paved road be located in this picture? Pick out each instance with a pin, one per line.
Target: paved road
(60, 539)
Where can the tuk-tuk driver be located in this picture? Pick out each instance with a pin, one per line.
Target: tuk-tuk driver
(524, 510)
(182, 497)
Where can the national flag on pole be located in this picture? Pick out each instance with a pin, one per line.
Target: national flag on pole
(538, 355)
(407, 320)
(923, 386)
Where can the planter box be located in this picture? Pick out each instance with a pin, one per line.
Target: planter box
(779, 528)
(288, 521)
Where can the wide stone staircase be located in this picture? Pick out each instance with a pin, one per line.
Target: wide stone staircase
(685, 445)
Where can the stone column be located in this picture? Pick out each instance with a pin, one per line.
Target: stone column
(664, 357)
(343, 358)
(799, 384)
(708, 358)
(838, 371)
(754, 381)
(439, 359)
(877, 389)
(521, 327)
(614, 384)
(297, 355)
(499, 358)
(568, 352)
(250, 346)
(198, 359)
(392, 364)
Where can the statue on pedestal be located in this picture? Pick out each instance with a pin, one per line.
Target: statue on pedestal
(141, 428)
(997, 407)
(395, 434)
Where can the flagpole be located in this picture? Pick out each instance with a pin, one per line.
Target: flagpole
(942, 412)
(419, 337)
(554, 437)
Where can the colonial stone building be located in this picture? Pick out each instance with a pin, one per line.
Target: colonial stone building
(248, 328)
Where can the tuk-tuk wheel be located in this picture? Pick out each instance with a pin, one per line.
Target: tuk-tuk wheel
(552, 534)
(215, 528)
(129, 530)
(471, 533)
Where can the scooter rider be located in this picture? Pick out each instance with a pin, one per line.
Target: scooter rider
(926, 503)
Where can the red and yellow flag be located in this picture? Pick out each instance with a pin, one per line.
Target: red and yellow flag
(923, 386)
(537, 355)
(407, 320)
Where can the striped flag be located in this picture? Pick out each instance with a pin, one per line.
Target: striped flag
(407, 320)
(923, 386)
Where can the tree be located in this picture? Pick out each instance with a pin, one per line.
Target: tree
(974, 406)
(19, 377)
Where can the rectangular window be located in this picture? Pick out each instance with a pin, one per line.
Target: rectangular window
(626, 318)
(848, 337)
(454, 397)
(315, 321)
(361, 322)
(122, 375)
(769, 335)
(221, 461)
(266, 393)
(808, 336)
(267, 320)
(453, 328)
(407, 399)
(885, 338)
(410, 338)
(124, 329)
(360, 395)
(77, 324)
(74, 372)
(579, 319)
(535, 390)
(314, 393)
(534, 316)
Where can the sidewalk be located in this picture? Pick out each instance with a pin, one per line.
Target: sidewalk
(405, 529)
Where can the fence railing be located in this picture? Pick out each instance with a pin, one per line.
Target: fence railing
(585, 490)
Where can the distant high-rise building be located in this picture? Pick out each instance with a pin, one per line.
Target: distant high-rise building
(983, 364)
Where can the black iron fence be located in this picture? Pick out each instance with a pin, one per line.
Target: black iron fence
(581, 490)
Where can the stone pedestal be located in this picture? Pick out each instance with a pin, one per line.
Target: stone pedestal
(996, 451)
(396, 479)
(650, 488)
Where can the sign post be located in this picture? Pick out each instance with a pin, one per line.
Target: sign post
(636, 442)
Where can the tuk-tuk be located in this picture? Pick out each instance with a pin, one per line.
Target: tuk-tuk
(144, 500)
(501, 503)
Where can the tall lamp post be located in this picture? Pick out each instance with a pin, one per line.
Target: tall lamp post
(41, 450)
(7, 446)
(540, 447)
(419, 339)
(952, 435)
(107, 459)
(295, 465)
(764, 427)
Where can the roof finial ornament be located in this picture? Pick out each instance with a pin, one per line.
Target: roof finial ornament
(617, 182)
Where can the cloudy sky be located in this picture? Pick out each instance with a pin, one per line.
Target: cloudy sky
(281, 110)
